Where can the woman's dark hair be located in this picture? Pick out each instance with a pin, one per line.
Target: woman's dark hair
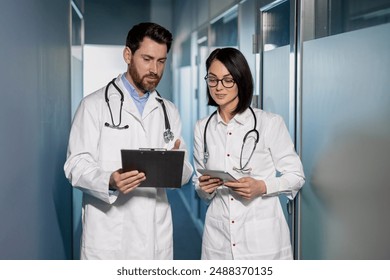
(238, 67)
(151, 30)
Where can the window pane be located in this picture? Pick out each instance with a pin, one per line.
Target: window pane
(331, 17)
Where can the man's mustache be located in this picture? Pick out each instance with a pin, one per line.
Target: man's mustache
(153, 76)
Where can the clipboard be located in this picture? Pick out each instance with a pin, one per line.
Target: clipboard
(163, 169)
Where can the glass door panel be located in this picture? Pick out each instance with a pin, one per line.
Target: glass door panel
(277, 73)
(76, 96)
(345, 129)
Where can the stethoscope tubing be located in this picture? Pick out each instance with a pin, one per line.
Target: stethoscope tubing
(205, 149)
(168, 134)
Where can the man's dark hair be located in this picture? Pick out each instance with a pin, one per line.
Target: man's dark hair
(238, 67)
(151, 30)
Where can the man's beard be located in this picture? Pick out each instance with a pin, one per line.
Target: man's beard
(141, 82)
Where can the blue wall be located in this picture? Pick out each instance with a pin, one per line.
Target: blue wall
(35, 199)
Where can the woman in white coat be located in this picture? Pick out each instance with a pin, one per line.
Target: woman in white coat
(244, 219)
(120, 220)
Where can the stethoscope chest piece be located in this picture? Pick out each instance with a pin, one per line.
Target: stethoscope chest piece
(168, 135)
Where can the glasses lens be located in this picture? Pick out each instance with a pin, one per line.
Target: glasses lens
(213, 82)
(228, 83)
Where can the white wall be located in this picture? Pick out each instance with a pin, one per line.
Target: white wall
(102, 63)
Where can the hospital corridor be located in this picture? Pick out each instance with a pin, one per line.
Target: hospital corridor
(322, 65)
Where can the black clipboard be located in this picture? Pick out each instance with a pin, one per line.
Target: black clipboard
(163, 169)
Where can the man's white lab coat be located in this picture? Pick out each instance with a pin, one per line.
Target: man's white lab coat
(116, 226)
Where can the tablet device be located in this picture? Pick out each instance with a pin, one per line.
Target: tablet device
(223, 175)
(163, 169)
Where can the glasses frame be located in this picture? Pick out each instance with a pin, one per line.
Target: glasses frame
(218, 80)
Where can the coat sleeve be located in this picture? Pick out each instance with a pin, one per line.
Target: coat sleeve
(286, 160)
(176, 126)
(81, 167)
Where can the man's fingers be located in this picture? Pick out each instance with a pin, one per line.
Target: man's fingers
(176, 146)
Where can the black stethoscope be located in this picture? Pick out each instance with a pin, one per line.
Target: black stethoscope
(242, 168)
(168, 134)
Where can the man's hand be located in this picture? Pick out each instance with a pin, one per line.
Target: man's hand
(125, 182)
(176, 146)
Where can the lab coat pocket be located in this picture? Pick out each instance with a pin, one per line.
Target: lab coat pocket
(216, 234)
(102, 226)
(263, 236)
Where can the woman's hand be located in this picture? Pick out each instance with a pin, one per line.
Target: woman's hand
(209, 184)
(247, 187)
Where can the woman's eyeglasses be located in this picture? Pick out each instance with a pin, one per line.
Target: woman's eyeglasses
(213, 81)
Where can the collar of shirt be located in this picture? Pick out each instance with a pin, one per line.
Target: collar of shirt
(139, 101)
(240, 118)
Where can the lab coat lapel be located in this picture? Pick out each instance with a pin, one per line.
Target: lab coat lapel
(128, 103)
(244, 117)
(151, 105)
